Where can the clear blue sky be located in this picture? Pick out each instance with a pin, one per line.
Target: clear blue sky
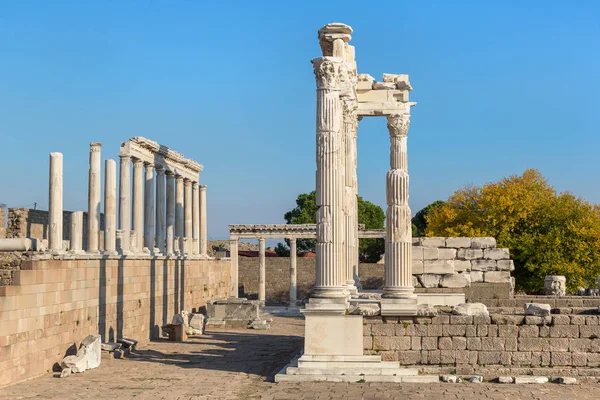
(500, 86)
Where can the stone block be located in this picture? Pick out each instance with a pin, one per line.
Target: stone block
(459, 343)
(429, 280)
(473, 343)
(544, 330)
(455, 280)
(433, 241)
(446, 254)
(469, 254)
(462, 266)
(429, 343)
(508, 331)
(584, 345)
(521, 358)
(470, 309)
(92, 348)
(589, 331)
(483, 242)
(461, 319)
(506, 265)
(579, 359)
(492, 344)
(496, 254)
(367, 342)
(489, 357)
(409, 357)
(564, 331)
(430, 253)
(594, 320)
(593, 359)
(458, 242)
(447, 356)
(496, 276)
(415, 343)
(434, 330)
(561, 320)
(506, 379)
(577, 319)
(462, 356)
(482, 330)
(529, 331)
(438, 267)
(483, 265)
(567, 380)
(558, 358)
(519, 380)
(417, 253)
(471, 331)
(417, 268)
(434, 357)
(445, 343)
(481, 319)
(533, 320)
(454, 330)
(441, 319)
(510, 344)
(537, 309)
(557, 344)
(384, 329)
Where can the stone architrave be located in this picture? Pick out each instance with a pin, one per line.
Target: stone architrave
(125, 201)
(170, 211)
(110, 206)
(398, 287)
(55, 203)
(149, 208)
(138, 203)
(161, 210)
(93, 231)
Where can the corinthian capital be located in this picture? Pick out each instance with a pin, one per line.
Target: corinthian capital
(327, 72)
(398, 124)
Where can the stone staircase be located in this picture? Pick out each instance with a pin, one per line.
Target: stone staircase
(366, 368)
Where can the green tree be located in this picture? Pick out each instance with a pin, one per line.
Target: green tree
(369, 214)
(548, 233)
(420, 219)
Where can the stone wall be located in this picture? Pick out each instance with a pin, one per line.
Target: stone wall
(10, 263)
(54, 304)
(2, 222)
(26, 222)
(469, 343)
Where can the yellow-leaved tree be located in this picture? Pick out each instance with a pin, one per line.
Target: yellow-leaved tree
(548, 233)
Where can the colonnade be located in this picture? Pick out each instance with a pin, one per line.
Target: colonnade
(164, 214)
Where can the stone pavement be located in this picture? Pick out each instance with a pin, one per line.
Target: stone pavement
(240, 365)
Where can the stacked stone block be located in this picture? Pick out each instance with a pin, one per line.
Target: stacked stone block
(500, 340)
(455, 262)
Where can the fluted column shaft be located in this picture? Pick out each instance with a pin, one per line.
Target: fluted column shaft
(110, 206)
(398, 241)
(293, 272)
(55, 203)
(187, 215)
(170, 211)
(76, 245)
(125, 201)
(203, 227)
(161, 210)
(138, 202)
(261, 271)
(350, 211)
(233, 255)
(149, 208)
(195, 218)
(179, 212)
(93, 231)
(329, 180)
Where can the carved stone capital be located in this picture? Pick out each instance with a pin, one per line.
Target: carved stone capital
(95, 147)
(398, 124)
(328, 72)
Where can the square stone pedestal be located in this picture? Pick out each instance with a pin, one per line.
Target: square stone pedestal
(332, 334)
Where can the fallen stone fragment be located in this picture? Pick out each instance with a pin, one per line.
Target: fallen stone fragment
(530, 379)
(366, 309)
(259, 324)
(91, 347)
(470, 309)
(65, 372)
(506, 379)
(127, 343)
(450, 378)
(567, 380)
(177, 320)
(427, 310)
(476, 379)
(110, 347)
(77, 363)
(537, 309)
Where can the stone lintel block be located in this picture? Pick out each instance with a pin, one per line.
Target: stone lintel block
(483, 242)
(455, 280)
(469, 254)
(506, 265)
(433, 241)
(458, 242)
(463, 266)
(446, 254)
(384, 86)
(496, 276)
(438, 266)
(431, 253)
(483, 265)
(496, 254)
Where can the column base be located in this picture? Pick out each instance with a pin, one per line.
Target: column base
(335, 306)
(395, 307)
(351, 288)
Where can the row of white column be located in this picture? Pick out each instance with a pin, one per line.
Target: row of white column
(233, 252)
(167, 219)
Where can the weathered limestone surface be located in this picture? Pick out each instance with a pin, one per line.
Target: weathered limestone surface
(125, 202)
(55, 203)
(110, 206)
(93, 231)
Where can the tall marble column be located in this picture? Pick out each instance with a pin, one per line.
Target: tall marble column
(161, 210)
(93, 231)
(125, 201)
(293, 272)
(110, 206)
(170, 211)
(76, 244)
(330, 280)
(233, 255)
(187, 215)
(195, 218)
(138, 203)
(179, 213)
(350, 212)
(55, 203)
(203, 230)
(398, 289)
(261, 271)
(149, 208)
